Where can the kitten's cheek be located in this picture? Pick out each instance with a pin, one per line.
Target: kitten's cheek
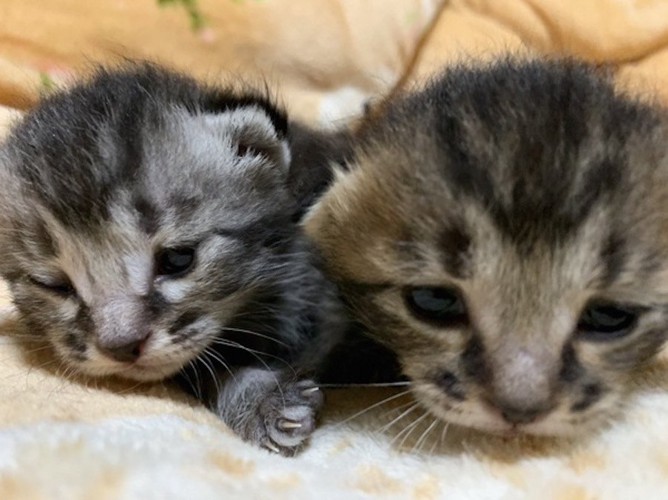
(175, 291)
(68, 310)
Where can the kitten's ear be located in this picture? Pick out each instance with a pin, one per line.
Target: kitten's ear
(253, 132)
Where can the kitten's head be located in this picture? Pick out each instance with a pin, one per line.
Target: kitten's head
(505, 231)
(137, 213)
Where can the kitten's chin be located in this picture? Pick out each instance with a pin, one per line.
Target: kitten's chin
(136, 371)
(144, 374)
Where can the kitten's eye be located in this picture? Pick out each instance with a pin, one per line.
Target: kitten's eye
(174, 261)
(61, 287)
(442, 306)
(606, 321)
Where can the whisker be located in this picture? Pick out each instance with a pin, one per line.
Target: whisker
(212, 371)
(441, 438)
(364, 384)
(257, 334)
(394, 421)
(395, 410)
(421, 440)
(198, 382)
(375, 405)
(254, 352)
(408, 430)
(213, 354)
(23, 336)
(230, 343)
(130, 389)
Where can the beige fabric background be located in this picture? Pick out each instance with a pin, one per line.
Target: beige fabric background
(66, 438)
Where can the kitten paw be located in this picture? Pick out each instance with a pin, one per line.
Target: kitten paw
(265, 408)
(289, 416)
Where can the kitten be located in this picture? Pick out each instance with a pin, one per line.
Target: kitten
(504, 232)
(149, 227)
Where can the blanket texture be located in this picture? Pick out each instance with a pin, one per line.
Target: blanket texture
(67, 438)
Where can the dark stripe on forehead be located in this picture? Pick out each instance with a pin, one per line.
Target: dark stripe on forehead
(455, 244)
(463, 170)
(79, 146)
(45, 242)
(149, 215)
(36, 237)
(540, 131)
(613, 257)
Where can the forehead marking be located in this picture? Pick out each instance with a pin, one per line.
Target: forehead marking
(149, 215)
(455, 244)
(613, 253)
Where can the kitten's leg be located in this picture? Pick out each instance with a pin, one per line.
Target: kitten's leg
(270, 408)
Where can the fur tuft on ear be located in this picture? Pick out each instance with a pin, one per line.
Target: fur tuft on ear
(252, 132)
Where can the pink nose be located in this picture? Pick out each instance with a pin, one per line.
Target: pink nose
(518, 416)
(125, 352)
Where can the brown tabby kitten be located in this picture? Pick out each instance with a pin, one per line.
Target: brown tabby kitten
(504, 231)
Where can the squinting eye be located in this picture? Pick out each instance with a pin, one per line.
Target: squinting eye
(174, 261)
(442, 306)
(61, 287)
(606, 321)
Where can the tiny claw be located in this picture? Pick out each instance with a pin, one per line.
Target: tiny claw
(310, 390)
(289, 424)
(271, 446)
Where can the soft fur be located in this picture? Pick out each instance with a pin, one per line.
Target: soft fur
(106, 185)
(533, 191)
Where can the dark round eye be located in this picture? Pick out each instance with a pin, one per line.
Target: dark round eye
(443, 306)
(174, 261)
(61, 286)
(607, 321)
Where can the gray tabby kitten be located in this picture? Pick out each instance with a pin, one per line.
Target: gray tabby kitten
(504, 232)
(149, 229)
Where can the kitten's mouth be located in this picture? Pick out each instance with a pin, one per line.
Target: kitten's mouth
(495, 425)
(477, 415)
(492, 423)
(149, 367)
(144, 372)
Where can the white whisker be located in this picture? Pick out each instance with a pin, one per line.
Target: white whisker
(375, 405)
(420, 442)
(256, 334)
(402, 415)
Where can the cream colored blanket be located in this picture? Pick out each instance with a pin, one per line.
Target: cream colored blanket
(63, 438)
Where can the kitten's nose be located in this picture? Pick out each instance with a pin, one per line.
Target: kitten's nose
(518, 415)
(125, 352)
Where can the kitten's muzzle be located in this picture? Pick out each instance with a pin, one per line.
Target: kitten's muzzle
(123, 326)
